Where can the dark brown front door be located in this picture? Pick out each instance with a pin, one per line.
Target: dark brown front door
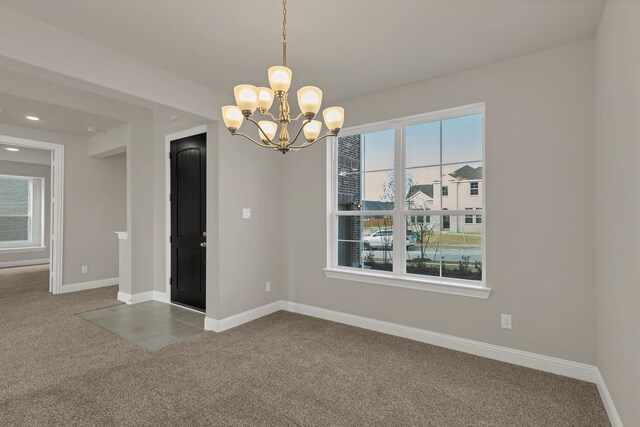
(188, 220)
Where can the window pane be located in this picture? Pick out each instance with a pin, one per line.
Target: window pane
(423, 187)
(378, 191)
(14, 228)
(462, 139)
(377, 149)
(423, 145)
(423, 239)
(378, 243)
(349, 228)
(458, 178)
(461, 250)
(14, 196)
(349, 254)
(349, 178)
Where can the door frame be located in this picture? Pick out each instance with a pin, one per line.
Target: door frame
(167, 191)
(56, 205)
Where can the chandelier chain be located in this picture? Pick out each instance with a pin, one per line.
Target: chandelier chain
(284, 33)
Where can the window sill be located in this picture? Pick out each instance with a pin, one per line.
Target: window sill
(441, 286)
(23, 249)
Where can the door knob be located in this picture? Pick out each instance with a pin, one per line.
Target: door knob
(203, 244)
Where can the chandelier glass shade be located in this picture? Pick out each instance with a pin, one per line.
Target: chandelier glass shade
(249, 98)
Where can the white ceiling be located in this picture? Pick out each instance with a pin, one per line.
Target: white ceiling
(53, 117)
(347, 47)
(25, 155)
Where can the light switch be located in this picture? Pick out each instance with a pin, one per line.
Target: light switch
(246, 213)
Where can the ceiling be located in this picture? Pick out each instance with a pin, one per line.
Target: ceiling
(25, 155)
(53, 117)
(347, 47)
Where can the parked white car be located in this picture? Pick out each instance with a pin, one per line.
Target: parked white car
(383, 239)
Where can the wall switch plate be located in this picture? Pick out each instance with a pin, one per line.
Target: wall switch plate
(267, 287)
(505, 321)
(85, 269)
(246, 213)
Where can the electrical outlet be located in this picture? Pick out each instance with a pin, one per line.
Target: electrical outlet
(267, 287)
(85, 269)
(505, 321)
(246, 213)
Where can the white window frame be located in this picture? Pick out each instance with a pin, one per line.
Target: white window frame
(399, 277)
(35, 242)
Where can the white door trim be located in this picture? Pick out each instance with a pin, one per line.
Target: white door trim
(167, 192)
(57, 204)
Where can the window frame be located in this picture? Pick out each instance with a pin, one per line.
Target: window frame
(36, 217)
(399, 277)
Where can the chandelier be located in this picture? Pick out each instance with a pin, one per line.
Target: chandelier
(249, 97)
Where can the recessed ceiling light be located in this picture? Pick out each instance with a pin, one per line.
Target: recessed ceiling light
(91, 129)
(34, 118)
(11, 149)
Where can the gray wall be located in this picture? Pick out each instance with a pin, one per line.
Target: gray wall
(539, 203)
(29, 169)
(618, 203)
(94, 206)
(242, 254)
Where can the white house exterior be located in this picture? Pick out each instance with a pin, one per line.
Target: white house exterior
(462, 191)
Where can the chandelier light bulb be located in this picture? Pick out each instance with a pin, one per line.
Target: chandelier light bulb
(312, 130)
(265, 98)
(279, 78)
(269, 129)
(232, 117)
(246, 98)
(334, 118)
(309, 99)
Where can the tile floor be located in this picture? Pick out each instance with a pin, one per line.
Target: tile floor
(151, 325)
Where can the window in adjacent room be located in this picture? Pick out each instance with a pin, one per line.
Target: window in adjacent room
(21, 212)
(390, 184)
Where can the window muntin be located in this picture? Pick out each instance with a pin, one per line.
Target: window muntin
(21, 213)
(440, 156)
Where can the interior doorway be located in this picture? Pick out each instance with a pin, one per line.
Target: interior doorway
(37, 207)
(188, 213)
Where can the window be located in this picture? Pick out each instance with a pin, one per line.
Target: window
(468, 219)
(474, 188)
(21, 212)
(390, 184)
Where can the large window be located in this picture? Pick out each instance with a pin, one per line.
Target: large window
(413, 181)
(21, 212)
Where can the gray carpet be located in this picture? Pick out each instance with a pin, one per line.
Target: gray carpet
(284, 369)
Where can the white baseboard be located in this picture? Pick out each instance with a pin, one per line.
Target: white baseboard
(614, 417)
(23, 263)
(540, 362)
(215, 325)
(74, 287)
(141, 297)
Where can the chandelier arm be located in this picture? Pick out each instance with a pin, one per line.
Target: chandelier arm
(309, 144)
(268, 113)
(297, 117)
(261, 130)
(254, 141)
(299, 132)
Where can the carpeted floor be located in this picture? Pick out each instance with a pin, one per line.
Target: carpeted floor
(284, 369)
